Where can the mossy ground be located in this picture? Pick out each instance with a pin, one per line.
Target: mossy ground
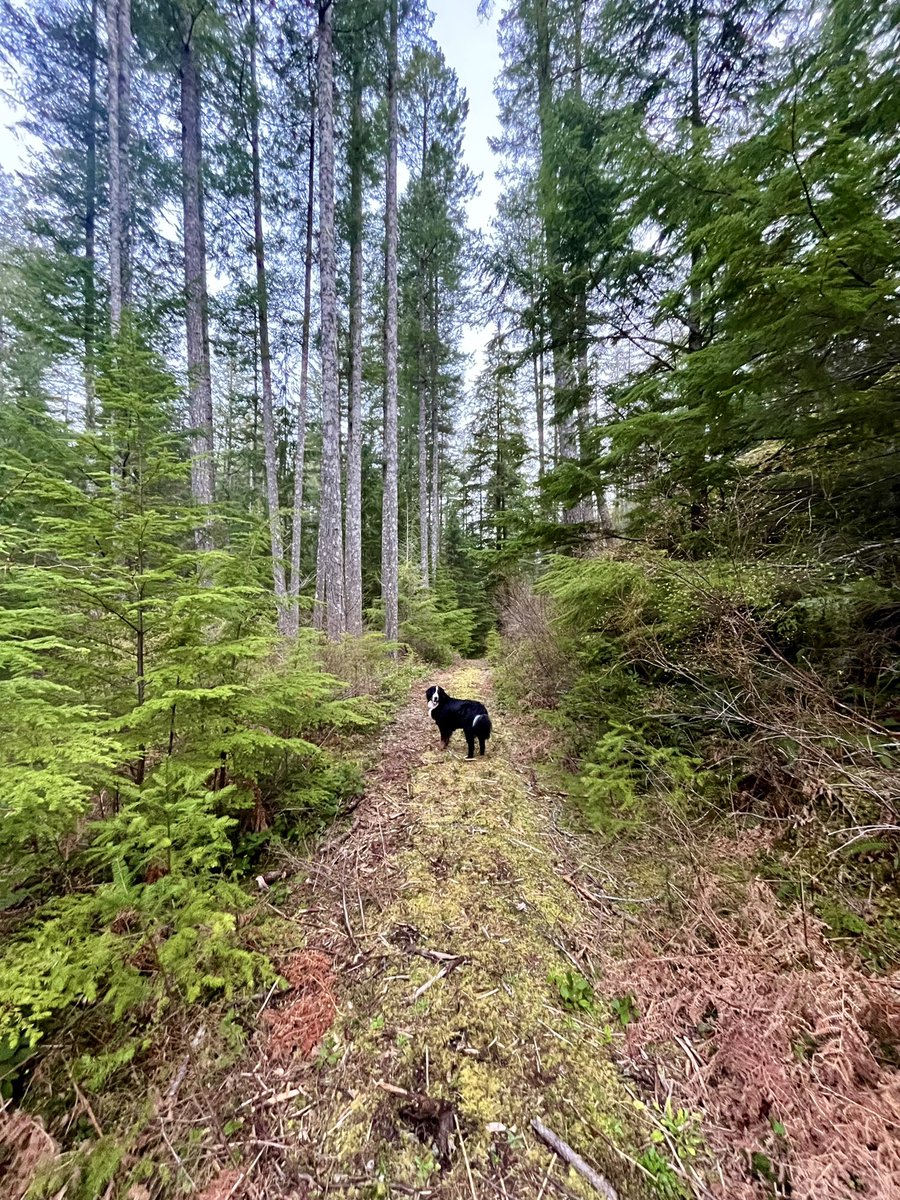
(473, 872)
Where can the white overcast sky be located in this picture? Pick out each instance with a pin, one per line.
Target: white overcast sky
(470, 48)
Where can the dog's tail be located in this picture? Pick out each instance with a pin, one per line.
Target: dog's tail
(484, 727)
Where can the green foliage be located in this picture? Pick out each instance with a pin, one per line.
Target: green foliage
(153, 736)
(623, 769)
(575, 992)
(431, 623)
(624, 1008)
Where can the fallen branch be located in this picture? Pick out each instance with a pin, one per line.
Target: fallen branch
(392, 1088)
(602, 897)
(565, 1152)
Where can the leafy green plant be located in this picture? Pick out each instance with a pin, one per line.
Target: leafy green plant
(625, 1009)
(575, 992)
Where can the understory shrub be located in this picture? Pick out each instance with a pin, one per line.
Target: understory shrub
(665, 676)
(132, 899)
(432, 624)
(155, 734)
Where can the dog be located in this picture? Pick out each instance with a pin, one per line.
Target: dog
(468, 715)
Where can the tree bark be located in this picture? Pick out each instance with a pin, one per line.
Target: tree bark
(118, 81)
(125, 145)
(300, 445)
(90, 231)
(196, 299)
(390, 565)
(424, 517)
(564, 397)
(695, 326)
(435, 547)
(353, 548)
(330, 536)
(423, 437)
(262, 303)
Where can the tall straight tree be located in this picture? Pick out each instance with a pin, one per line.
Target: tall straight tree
(330, 558)
(390, 564)
(195, 289)
(353, 547)
(300, 436)
(90, 228)
(558, 300)
(118, 67)
(265, 357)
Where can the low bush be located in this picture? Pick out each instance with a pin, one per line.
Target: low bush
(666, 677)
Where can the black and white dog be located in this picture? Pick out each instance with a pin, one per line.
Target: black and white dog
(468, 715)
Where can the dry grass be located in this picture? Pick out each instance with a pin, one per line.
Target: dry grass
(25, 1147)
(747, 1014)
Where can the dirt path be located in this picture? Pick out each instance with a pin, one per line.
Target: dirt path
(461, 1009)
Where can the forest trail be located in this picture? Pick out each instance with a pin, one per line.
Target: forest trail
(457, 947)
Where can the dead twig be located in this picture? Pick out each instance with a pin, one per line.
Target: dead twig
(462, 1146)
(597, 1181)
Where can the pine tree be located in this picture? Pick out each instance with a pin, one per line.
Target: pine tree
(330, 562)
(390, 515)
(196, 296)
(265, 355)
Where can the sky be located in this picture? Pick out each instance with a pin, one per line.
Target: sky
(470, 47)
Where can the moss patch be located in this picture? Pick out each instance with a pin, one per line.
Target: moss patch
(454, 995)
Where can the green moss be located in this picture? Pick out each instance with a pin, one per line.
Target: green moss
(479, 879)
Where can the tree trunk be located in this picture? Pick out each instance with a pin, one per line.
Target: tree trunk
(423, 436)
(424, 520)
(300, 446)
(125, 144)
(262, 304)
(332, 558)
(435, 435)
(118, 65)
(197, 304)
(699, 503)
(353, 548)
(90, 231)
(390, 565)
(564, 380)
(695, 326)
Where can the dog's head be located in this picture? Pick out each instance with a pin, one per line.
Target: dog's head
(435, 697)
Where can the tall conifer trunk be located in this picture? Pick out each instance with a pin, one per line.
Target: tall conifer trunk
(118, 67)
(699, 496)
(435, 540)
(389, 514)
(424, 520)
(331, 558)
(353, 548)
(300, 444)
(276, 536)
(558, 300)
(423, 436)
(90, 230)
(196, 299)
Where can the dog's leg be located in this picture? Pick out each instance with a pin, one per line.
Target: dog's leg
(445, 742)
(481, 744)
(470, 742)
